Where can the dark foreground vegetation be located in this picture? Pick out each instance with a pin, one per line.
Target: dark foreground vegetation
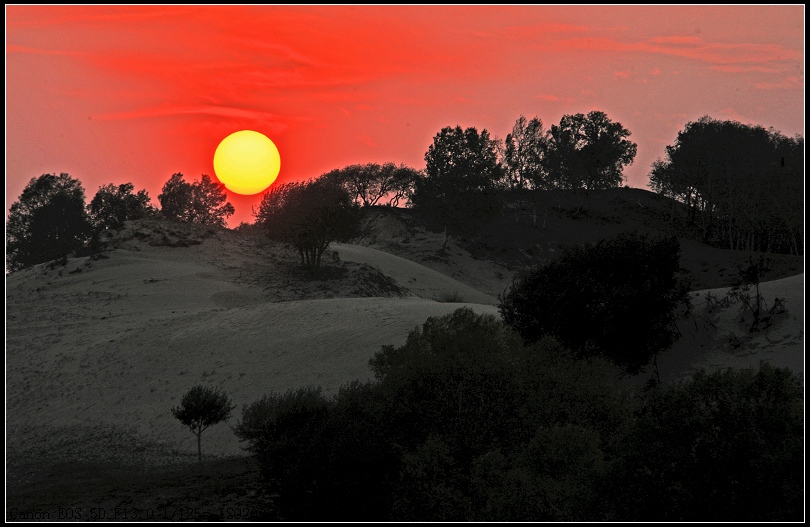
(464, 422)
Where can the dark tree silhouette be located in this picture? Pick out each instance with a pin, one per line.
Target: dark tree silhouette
(743, 184)
(524, 150)
(459, 191)
(200, 408)
(112, 206)
(309, 216)
(617, 298)
(372, 183)
(587, 152)
(202, 202)
(48, 221)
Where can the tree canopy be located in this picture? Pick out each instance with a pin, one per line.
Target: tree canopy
(524, 150)
(309, 216)
(459, 191)
(48, 221)
(587, 152)
(616, 298)
(373, 184)
(113, 205)
(201, 202)
(200, 408)
(743, 184)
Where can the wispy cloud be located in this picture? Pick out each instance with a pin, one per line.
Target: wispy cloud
(734, 68)
(695, 48)
(786, 83)
(220, 111)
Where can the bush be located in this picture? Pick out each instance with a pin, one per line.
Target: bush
(288, 435)
(406, 447)
(616, 298)
(726, 446)
(466, 423)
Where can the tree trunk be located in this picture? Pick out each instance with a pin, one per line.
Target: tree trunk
(445, 238)
(199, 447)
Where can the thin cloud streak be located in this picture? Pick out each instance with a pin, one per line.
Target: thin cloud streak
(713, 53)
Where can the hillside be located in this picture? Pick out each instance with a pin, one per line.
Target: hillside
(99, 349)
(534, 227)
(108, 345)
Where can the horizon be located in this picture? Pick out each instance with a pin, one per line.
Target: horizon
(117, 94)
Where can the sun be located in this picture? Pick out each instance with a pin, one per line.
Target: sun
(247, 162)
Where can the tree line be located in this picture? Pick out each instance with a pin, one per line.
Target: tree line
(51, 219)
(742, 186)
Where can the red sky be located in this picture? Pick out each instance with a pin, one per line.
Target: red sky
(117, 94)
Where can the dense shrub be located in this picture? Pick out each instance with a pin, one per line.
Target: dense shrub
(721, 447)
(464, 422)
(616, 298)
(288, 435)
(408, 446)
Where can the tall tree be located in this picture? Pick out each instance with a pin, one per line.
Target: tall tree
(524, 150)
(202, 202)
(742, 184)
(587, 152)
(48, 220)
(309, 216)
(459, 191)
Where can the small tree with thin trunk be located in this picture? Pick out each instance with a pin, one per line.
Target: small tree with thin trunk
(200, 408)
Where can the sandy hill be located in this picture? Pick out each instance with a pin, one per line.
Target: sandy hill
(536, 226)
(98, 350)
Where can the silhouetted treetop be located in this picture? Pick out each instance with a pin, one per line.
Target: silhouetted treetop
(113, 205)
(373, 184)
(48, 221)
(201, 202)
(309, 216)
(587, 152)
(459, 190)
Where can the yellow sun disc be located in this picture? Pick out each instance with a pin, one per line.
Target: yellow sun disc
(247, 162)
